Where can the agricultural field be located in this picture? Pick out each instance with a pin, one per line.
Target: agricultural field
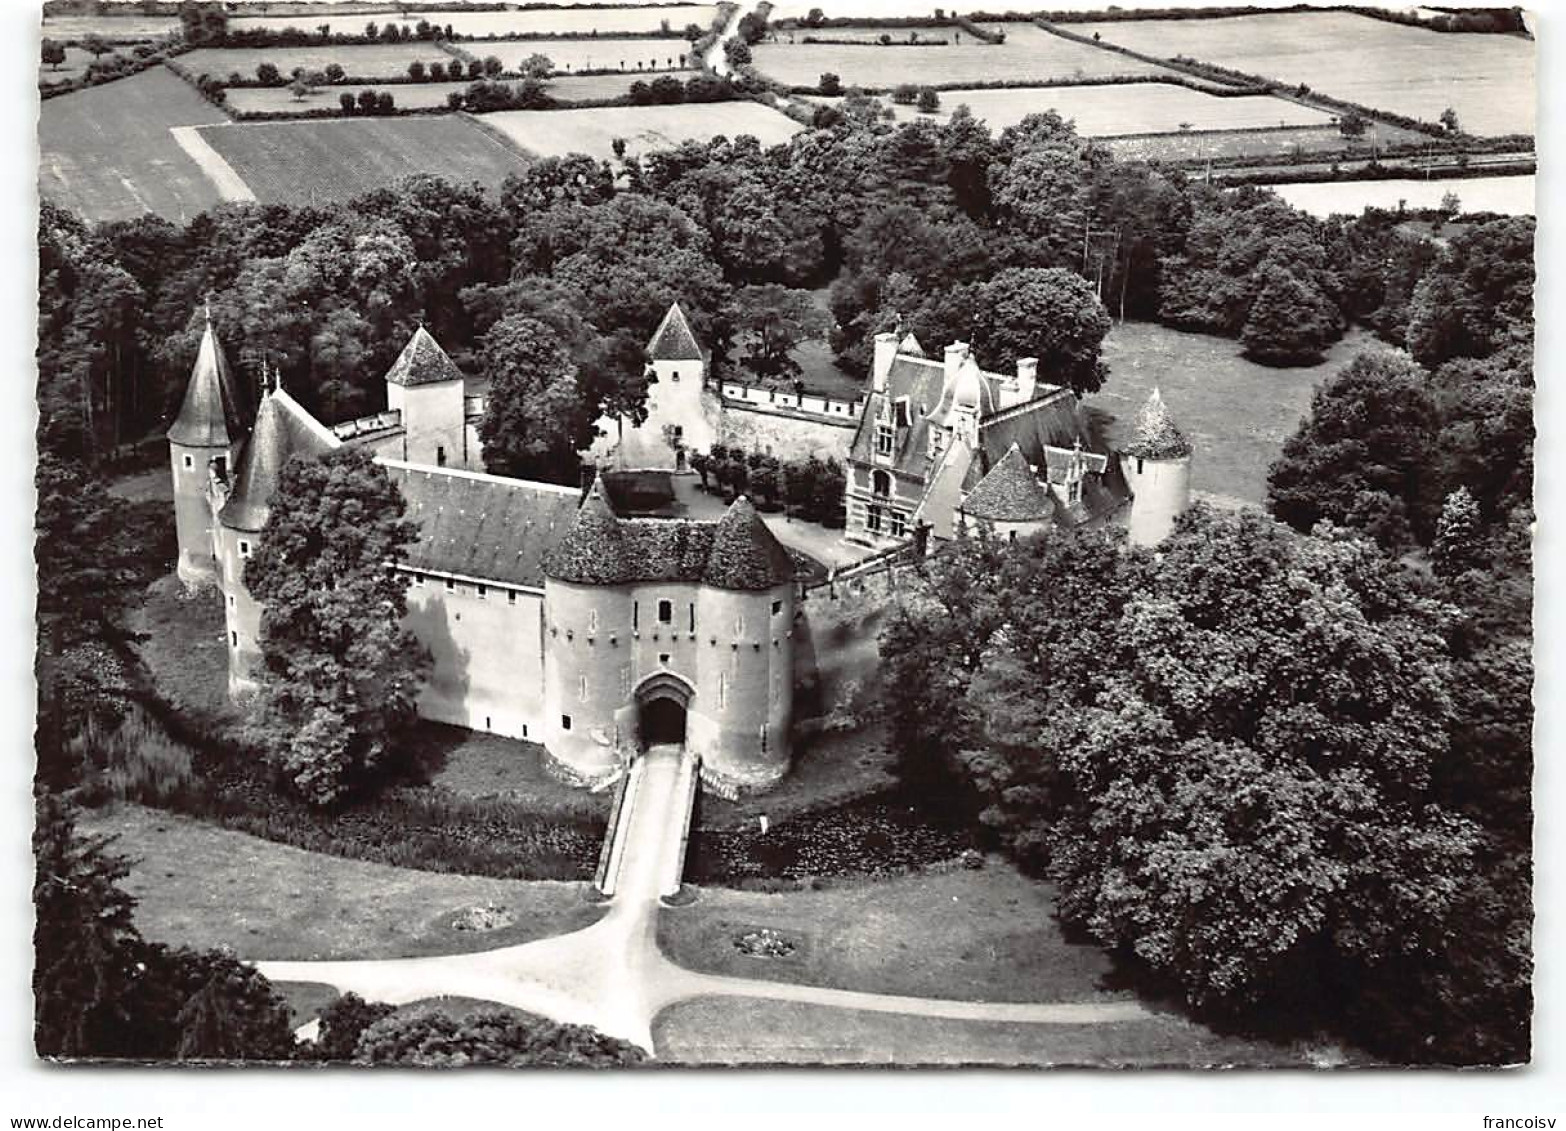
(108, 152)
(360, 61)
(1510, 196)
(570, 55)
(125, 28)
(1104, 111)
(314, 162)
(1261, 144)
(1027, 55)
(279, 99)
(592, 131)
(545, 21)
(1487, 79)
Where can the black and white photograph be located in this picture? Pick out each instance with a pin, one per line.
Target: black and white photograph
(827, 533)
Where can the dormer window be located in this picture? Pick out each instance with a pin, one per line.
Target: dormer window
(1074, 490)
(885, 439)
(881, 485)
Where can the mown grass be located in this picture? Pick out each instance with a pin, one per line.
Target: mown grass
(204, 886)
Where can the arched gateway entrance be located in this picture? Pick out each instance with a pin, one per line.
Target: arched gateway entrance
(661, 704)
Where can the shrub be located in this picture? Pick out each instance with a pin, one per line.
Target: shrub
(437, 72)
(905, 94)
(416, 71)
(830, 85)
(929, 100)
(492, 66)
(344, 1022)
(334, 72)
(345, 100)
(267, 74)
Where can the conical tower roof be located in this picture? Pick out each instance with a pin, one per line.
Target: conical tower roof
(1156, 436)
(674, 340)
(422, 362)
(744, 554)
(592, 551)
(283, 430)
(1011, 492)
(210, 416)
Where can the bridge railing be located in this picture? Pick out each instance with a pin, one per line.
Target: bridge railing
(612, 855)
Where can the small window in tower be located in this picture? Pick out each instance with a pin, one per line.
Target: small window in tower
(674, 376)
(418, 579)
(692, 620)
(677, 432)
(244, 548)
(220, 465)
(233, 639)
(663, 658)
(483, 592)
(511, 596)
(565, 722)
(486, 723)
(592, 620)
(665, 612)
(190, 462)
(723, 690)
(777, 607)
(636, 615)
(581, 688)
(1139, 465)
(451, 586)
(440, 455)
(231, 600)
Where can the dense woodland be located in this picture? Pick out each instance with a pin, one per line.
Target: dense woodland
(1282, 768)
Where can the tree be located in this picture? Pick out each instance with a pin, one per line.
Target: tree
(1048, 313)
(429, 1038)
(492, 66)
(535, 418)
(1457, 547)
(830, 85)
(203, 22)
(346, 101)
(536, 66)
(437, 72)
(1288, 324)
(737, 52)
(929, 100)
(341, 674)
(770, 322)
(1352, 124)
(267, 74)
(1478, 296)
(334, 72)
(96, 45)
(368, 102)
(299, 88)
(1363, 455)
(416, 70)
(905, 94)
(52, 53)
(1449, 121)
(344, 1022)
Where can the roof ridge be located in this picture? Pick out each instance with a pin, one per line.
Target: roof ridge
(480, 476)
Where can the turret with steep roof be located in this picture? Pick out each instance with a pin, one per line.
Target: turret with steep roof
(202, 443)
(674, 340)
(427, 389)
(1157, 466)
(680, 411)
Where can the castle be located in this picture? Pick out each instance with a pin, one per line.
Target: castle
(549, 616)
(566, 618)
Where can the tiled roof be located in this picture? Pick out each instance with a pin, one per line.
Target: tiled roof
(734, 552)
(211, 414)
(283, 430)
(483, 526)
(673, 340)
(938, 508)
(1010, 492)
(422, 362)
(1156, 436)
(1055, 422)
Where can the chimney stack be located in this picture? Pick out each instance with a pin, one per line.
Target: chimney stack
(956, 354)
(1027, 378)
(885, 354)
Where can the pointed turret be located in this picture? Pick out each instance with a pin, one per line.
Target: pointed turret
(1157, 467)
(674, 340)
(210, 415)
(592, 551)
(422, 362)
(283, 430)
(745, 554)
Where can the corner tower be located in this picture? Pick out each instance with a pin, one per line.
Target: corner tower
(427, 388)
(1157, 468)
(202, 443)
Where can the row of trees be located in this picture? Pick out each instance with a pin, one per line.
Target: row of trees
(811, 488)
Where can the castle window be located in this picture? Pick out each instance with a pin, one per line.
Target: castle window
(592, 620)
(665, 612)
(1074, 492)
(231, 600)
(663, 658)
(1139, 465)
(244, 548)
(674, 376)
(723, 691)
(693, 616)
(880, 484)
(565, 722)
(233, 639)
(486, 723)
(883, 439)
(677, 432)
(440, 455)
(511, 596)
(418, 579)
(220, 465)
(581, 688)
(636, 615)
(483, 591)
(873, 519)
(777, 607)
(899, 524)
(451, 586)
(189, 462)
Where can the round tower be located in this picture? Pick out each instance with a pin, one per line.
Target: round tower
(1157, 468)
(202, 442)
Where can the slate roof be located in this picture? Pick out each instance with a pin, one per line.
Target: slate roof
(422, 362)
(283, 430)
(1156, 436)
(1010, 492)
(734, 552)
(674, 340)
(482, 525)
(211, 415)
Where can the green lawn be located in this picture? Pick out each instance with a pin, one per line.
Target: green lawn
(470, 763)
(593, 131)
(359, 61)
(753, 1031)
(1236, 412)
(828, 770)
(986, 934)
(197, 885)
